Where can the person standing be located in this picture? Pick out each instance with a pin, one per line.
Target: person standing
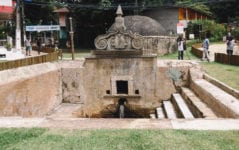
(230, 46)
(28, 47)
(39, 46)
(180, 44)
(205, 46)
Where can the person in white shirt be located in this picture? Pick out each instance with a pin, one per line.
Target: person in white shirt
(180, 44)
(28, 47)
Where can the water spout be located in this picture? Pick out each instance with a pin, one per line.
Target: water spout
(121, 111)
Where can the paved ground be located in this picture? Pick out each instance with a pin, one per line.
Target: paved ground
(93, 123)
(63, 117)
(221, 48)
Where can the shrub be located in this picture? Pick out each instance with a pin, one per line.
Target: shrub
(214, 30)
(235, 33)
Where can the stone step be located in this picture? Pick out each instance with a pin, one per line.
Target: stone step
(197, 107)
(169, 110)
(160, 113)
(222, 103)
(152, 116)
(181, 106)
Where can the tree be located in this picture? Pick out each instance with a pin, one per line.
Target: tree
(226, 11)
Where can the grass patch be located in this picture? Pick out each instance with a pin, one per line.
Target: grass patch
(54, 139)
(188, 55)
(227, 74)
(78, 53)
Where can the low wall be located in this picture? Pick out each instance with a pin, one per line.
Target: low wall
(31, 91)
(53, 56)
(160, 44)
(221, 85)
(196, 51)
(225, 59)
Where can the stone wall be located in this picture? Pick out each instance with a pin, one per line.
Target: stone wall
(160, 45)
(31, 91)
(93, 84)
(35, 90)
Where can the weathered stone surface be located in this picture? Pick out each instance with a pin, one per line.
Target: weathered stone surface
(198, 108)
(223, 104)
(143, 25)
(222, 85)
(160, 45)
(30, 91)
(136, 33)
(99, 75)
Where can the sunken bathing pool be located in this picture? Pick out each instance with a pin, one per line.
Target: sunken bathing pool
(110, 88)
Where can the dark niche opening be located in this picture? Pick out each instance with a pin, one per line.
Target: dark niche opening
(107, 91)
(122, 87)
(136, 91)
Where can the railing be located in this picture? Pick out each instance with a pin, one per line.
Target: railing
(53, 56)
(226, 59)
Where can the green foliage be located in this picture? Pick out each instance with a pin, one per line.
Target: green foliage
(105, 3)
(235, 33)
(225, 12)
(174, 74)
(8, 46)
(209, 27)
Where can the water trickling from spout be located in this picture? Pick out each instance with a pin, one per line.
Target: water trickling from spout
(121, 111)
(121, 108)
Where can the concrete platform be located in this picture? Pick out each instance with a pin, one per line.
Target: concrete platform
(11, 55)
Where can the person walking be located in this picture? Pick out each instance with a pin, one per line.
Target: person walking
(230, 46)
(28, 47)
(39, 46)
(180, 44)
(205, 46)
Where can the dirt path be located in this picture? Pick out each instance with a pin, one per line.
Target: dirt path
(221, 48)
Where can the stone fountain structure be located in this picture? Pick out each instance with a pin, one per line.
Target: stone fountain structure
(121, 69)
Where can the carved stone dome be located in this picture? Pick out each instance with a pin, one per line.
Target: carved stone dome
(143, 25)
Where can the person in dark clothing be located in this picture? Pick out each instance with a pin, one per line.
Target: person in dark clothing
(180, 44)
(39, 46)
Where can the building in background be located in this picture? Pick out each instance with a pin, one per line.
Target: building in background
(6, 10)
(169, 17)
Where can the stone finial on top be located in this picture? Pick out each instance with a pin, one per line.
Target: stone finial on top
(119, 20)
(119, 38)
(119, 11)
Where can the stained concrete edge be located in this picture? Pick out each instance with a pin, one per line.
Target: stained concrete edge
(94, 123)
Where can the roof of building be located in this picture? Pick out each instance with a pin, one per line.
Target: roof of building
(62, 10)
